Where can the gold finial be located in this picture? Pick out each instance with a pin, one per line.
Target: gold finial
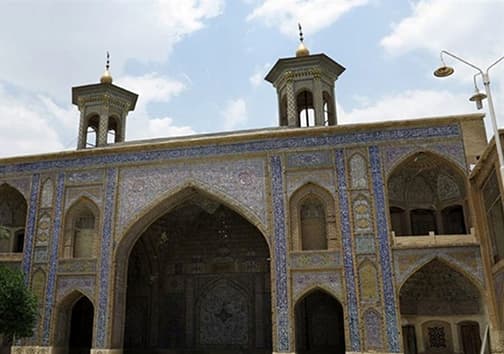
(301, 51)
(106, 77)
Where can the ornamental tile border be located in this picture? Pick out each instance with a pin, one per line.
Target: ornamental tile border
(53, 258)
(302, 281)
(30, 229)
(265, 145)
(353, 312)
(83, 283)
(106, 253)
(384, 251)
(308, 159)
(282, 301)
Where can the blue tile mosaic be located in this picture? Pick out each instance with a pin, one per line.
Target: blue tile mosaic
(53, 259)
(30, 227)
(384, 252)
(105, 258)
(309, 159)
(353, 313)
(282, 301)
(363, 137)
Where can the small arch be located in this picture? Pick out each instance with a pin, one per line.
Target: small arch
(13, 209)
(92, 123)
(319, 323)
(358, 172)
(305, 109)
(113, 130)
(368, 281)
(81, 230)
(47, 193)
(312, 218)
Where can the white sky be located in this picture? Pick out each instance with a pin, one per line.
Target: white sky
(198, 66)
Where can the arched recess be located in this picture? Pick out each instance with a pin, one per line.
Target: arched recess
(305, 109)
(229, 246)
(74, 323)
(428, 193)
(373, 330)
(113, 130)
(13, 208)
(368, 281)
(432, 301)
(312, 219)
(81, 230)
(319, 323)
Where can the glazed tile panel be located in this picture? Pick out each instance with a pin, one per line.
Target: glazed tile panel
(106, 251)
(282, 301)
(53, 259)
(353, 312)
(241, 180)
(30, 229)
(384, 251)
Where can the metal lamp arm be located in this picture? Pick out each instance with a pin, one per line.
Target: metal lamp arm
(465, 61)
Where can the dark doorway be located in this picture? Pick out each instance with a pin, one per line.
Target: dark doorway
(453, 220)
(81, 327)
(409, 339)
(319, 325)
(470, 334)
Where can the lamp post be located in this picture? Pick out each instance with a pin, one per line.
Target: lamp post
(477, 97)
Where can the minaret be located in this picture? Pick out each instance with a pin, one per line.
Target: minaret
(305, 88)
(103, 109)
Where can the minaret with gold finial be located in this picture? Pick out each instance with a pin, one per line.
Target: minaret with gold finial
(103, 109)
(305, 87)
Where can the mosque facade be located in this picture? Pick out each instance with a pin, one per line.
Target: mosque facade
(311, 237)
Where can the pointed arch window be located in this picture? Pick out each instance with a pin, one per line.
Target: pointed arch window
(313, 224)
(81, 231)
(305, 109)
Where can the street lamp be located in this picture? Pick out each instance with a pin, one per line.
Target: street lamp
(478, 97)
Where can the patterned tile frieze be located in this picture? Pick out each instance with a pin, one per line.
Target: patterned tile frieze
(53, 258)
(453, 150)
(83, 283)
(297, 179)
(358, 171)
(30, 226)
(242, 181)
(47, 194)
(105, 259)
(468, 259)
(21, 184)
(303, 281)
(309, 159)
(361, 137)
(361, 213)
(94, 193)
(40, 255)
(85, 177)
(280, 249)
(77, 266)
(43, 227)
(384, 252)
(315, 260)
(364, 244)
(348, 261)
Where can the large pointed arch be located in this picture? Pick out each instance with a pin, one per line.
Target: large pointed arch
(189, 194)
(428, 193)
(13, 218)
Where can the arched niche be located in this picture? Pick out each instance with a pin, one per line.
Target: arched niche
(92, 123)
(81, 230)
(428, 193)
(13, 208)
(173, 254)
(312, 219)
(433, 300)
(319, 323)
